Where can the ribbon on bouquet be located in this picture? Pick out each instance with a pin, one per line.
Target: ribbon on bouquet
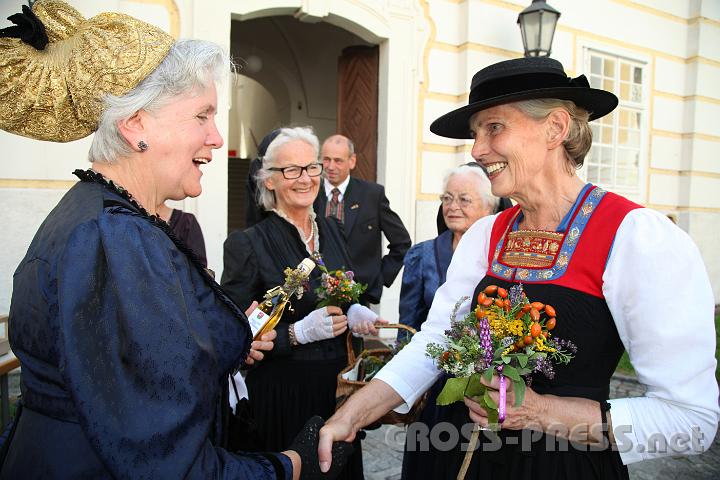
(502, 401)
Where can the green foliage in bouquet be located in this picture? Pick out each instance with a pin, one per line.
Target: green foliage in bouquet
(505, 334)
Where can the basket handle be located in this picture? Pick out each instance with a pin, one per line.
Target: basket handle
(348, 337)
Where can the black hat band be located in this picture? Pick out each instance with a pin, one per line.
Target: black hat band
(519, 83)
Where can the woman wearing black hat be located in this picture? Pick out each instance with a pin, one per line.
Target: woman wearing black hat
(614, 272)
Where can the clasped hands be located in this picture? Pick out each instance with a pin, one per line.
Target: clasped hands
(320, 324)
(303, 453)
(329, 322)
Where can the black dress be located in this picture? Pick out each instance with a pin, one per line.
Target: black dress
(571, 282)
(187, 228)
(292, 383)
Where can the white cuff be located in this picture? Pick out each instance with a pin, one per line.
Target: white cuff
(625, 437)
(408, 393)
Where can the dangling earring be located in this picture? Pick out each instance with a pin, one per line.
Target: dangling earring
(142, 145)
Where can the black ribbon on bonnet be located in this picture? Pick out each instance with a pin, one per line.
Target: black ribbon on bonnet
(28, 28)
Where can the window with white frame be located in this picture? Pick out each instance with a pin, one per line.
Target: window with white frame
(614, 159)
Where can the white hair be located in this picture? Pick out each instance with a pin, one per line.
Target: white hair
(484, 188)
(266, 197)
(189, 65)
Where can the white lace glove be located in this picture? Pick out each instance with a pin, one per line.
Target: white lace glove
(361, 320)
(317, 325)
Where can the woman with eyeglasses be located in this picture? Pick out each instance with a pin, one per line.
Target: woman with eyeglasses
(297, 379)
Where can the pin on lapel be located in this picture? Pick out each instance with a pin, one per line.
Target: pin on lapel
(354, 206)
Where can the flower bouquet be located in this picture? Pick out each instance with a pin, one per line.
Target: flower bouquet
(338, 287)
(506, 335)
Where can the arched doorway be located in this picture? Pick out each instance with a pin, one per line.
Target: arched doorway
(290, 74)
(401, 29)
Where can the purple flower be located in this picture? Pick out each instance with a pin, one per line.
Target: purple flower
(516, 294)
(453, 333)
(349, 275)
(545, 366)
(485, 341)
(566, 345)
(317, 258)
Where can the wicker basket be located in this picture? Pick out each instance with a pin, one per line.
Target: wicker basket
(346, 385)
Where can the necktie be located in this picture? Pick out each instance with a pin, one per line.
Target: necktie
(335, 206)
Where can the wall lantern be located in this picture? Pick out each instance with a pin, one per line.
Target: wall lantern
(537, 26)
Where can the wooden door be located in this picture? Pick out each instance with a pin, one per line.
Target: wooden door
(358, 106)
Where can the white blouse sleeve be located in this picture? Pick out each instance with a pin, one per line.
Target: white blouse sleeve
(659, 294)
(411, 372)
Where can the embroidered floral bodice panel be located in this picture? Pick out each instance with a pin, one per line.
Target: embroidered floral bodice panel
(541, 256)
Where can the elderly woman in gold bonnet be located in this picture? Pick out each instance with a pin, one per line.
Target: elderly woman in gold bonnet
(125, 341)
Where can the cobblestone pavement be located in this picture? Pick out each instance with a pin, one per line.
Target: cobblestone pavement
(382, 457)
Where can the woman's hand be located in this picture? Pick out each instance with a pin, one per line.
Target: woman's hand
(335, 430)
(339, 320)
(576, 419)
(306, 447)
(528, 415)
(265, 344)
(320, 324)
(362, 320)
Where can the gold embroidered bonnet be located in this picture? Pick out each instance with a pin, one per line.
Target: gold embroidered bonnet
(55, 93)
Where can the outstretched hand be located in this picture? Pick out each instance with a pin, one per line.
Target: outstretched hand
(335, 430)
(362, 320)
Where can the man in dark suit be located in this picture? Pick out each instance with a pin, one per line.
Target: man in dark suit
(365, 213)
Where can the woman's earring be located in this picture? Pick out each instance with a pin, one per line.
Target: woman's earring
(142, 145)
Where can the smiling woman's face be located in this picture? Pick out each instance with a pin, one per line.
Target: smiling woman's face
(181, 138)
(511, 146)
(299, 193)
(463, 203)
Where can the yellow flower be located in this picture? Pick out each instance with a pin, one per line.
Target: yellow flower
(516, 327)
(540, 345)
(497, 324)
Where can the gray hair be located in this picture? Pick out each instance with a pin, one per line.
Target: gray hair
(266, 197)
(189, 65)
(484, 188)
(579, 138)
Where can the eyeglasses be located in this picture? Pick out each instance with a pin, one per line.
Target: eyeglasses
(463, 201)
(292, 172)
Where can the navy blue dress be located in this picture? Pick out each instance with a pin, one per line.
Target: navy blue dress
(125, 345)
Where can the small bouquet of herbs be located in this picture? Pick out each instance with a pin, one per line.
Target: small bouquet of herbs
(338, 287)
(506, 335)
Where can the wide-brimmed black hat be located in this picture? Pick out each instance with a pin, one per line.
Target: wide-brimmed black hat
(523, 79)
